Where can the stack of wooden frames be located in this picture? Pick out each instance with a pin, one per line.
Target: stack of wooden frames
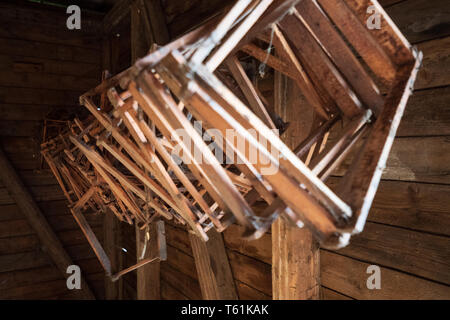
(185, 134)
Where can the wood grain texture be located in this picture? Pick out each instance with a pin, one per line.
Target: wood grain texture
(348, 276)
(295, 254)
(37, 220)
(213, 267)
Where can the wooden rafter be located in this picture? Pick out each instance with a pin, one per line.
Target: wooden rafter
(38, 222)
(118, 12)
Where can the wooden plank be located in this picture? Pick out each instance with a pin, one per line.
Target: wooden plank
(51, 209)
(260, 249)
(188, 286)
(11, 78)
(11, 29)
(327, 294)
(93, 240)
(360, 184)
(431, 167)
(213, 267)
(26, 243)
(140, 38)
(82, 254)
(427, 114)
(388, 35)
(421, 20)
(44, 50)
(25, 64)
(435, 69)
(186, 16)
(31, 210)
(19, 278)
(249, 91)
(31, 112)
(21, 227)
(181, 261)
(272, 61)
(295, 263)
(235, 36)
(40, 193)
(171, 293)
(36, 178)
(156, 17)
(246, 292)
(148, 276)
(414, 206)
(36, 291)
(111, 240)
(360, 38)
(341, 55)
(416, 253)
(116, 15)
(178, 237)
(319, 63)
(21, 128)
(16, 95)
(46, 16)
(349, 277)
(294, 254)
(249, 270)
(252, 272)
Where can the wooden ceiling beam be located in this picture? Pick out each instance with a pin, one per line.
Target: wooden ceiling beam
(114, 16)
(49, 240)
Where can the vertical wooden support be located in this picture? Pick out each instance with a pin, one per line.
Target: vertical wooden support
(216, 279)
(49, 240)
(147, 27)
(112, 237)
(295, 254)
(148, 276)
(111, 225)
(213, 267)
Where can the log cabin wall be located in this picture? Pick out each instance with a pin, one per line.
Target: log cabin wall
(407, 234)
(44, 67)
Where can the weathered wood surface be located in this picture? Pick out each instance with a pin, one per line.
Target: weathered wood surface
(213, 267)
(148, 276)
(295, 254)
(39, 57)
(37, 220)
(348, 276)
(251, 275)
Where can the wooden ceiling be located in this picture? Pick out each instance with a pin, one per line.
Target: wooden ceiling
(91, 5)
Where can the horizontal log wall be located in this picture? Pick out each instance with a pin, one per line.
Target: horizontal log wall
(44, 67)
(407, 233)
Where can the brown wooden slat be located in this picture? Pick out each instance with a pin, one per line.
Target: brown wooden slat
(413, 252)
(312, 55)
(360, 38)
(341, 55)
(349, 277)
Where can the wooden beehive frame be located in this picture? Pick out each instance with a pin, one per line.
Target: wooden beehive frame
(339, 65)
